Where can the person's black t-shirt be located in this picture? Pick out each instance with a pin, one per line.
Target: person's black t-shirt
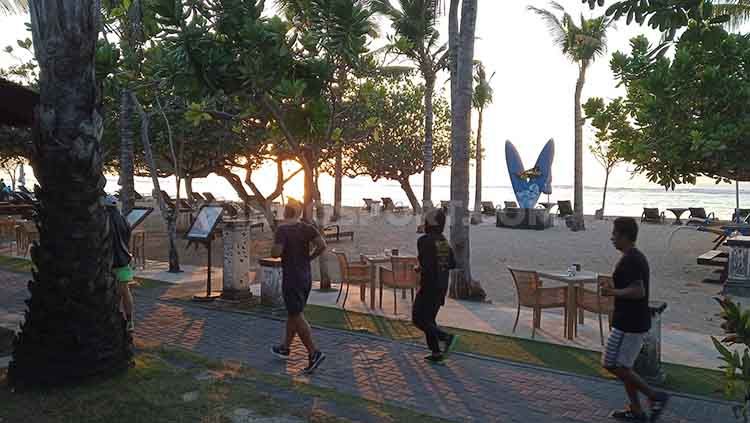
(295, 238)
(435, 259)
(632, 315)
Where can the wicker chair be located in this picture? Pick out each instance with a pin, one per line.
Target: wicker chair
(401, 275)
(532, 294)
(594, 302)
(351, 273)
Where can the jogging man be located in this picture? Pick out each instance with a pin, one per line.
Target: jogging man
(121, 257)
(435, 262)
(630, 322)
(293, 242)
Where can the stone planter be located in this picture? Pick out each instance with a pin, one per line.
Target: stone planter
(236, 278)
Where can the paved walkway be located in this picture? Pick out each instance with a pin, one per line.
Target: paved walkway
(465, 389)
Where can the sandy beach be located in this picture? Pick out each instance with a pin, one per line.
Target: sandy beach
(675, 276)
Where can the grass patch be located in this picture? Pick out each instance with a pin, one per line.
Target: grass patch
(685, 379)
(16, 265)
(163, 387)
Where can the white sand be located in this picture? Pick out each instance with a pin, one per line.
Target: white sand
(675, 276)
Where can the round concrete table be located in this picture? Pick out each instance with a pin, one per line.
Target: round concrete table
(677, 212)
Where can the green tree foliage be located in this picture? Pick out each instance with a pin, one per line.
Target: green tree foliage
(392, 147)
(736, 369)
(613, 127)
(693, 112)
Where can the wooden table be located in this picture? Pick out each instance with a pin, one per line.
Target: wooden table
(677, 212)
(374, 260)
(574, 282)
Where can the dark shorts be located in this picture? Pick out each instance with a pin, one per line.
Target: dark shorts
(295, 297)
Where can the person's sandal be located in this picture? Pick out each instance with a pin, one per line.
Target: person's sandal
(658, 406)
(628, 416)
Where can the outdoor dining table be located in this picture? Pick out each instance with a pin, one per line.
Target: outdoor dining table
(374, 260)
(677, 212)
(574, 282)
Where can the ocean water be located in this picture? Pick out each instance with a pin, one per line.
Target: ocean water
(621, 201)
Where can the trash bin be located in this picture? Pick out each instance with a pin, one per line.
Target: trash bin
(271, 275)
(648, 363)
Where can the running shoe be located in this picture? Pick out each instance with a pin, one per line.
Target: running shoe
(280, 351)
(435, 359)
(628, 416)
(658, 405)
(316, 359)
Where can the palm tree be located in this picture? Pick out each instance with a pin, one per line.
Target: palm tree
(418, 40)
(582, 43)
(482, 98)
(738, 11)
(73, 329)
(461, 40)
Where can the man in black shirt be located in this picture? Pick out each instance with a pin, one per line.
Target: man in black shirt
(293, 241)
(631, 321)
(435, 261)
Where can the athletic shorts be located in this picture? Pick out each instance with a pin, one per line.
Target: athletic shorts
(622, 349)
(295, 298)
(124, 274)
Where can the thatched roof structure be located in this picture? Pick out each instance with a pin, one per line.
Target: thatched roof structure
(17, 104)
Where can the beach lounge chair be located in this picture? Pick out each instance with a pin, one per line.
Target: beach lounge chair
(197, 197)
(167, 199)
(488, 208)
(594, 302)
(532, 294)
(564, 208)
(389, 205)
(698, 216)
(334, 233)
(369, 203)
(510, 204)
(351, 273)
(210, 197)
(741, 215)
(652, 215)
(401, 275)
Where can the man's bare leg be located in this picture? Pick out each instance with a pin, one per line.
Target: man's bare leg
(305, 333)
(291, 332)
(127, 300)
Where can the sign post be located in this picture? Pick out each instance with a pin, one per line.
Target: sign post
(202, 231)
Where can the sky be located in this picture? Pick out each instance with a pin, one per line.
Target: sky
(533, 85)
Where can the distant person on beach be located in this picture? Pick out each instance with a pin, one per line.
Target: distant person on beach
(121, 257)
(294, 242)
(631, 321)
(435, 262)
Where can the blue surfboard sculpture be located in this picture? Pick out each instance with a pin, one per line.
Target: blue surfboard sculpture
(529, 184)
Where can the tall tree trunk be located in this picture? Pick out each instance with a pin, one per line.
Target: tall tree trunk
(73, 329)
(478, 179)
(169, 215)
(604, 194)
(406, 186)
(578, 223)
(320, 214)
(462, 285)
(337, 189)
(189, 187)
(127, 136)
(427, 153)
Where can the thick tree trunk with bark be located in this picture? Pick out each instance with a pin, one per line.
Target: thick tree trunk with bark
(73, 329)
(127, 137)
(406, 186)
(462, 286)
(428, 150)
(477, 218)
(578, 222)
(337, 189)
